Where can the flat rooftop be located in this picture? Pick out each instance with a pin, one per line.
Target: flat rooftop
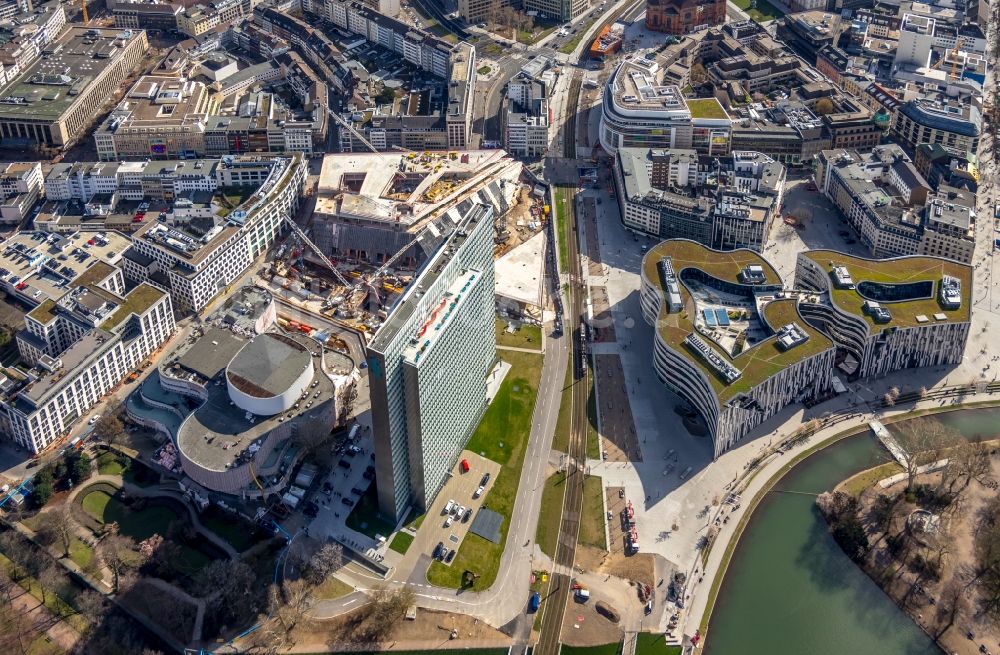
(636, 86)
(406, 188)
(268, 365)
(898, 271)
(207, 356)
(451, 306)
(758, 361)
(66, 69)
(47, 263)
(218, 435)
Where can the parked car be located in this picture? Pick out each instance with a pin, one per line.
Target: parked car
(356, 491)
(450, 556)
(347, 501)
(467, 515)
(344, 464)
(439, 550)
(478, 492)
(484, 480)
(447, 522)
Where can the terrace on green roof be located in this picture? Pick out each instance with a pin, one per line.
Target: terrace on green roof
(902, 275)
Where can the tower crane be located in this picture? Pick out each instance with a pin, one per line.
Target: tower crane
(83, 6)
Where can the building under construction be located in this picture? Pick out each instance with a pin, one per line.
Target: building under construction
(371, 207)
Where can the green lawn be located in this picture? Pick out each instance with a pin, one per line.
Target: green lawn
(649, 643)
(142, 524)
(331, 588)
(563, 210)
(108, 464)
(560, 440)
(229, 527)
(592, 520)
(858, 483)
(364, 517)
(607, 649)
(502, 436)
(526, 336)
(80, 553)
(536, 35)
(762, 12)
(154, 519)
(483, 70)
(401, 542)
(551, 513)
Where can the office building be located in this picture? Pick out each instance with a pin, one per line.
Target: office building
(889, 204)
(53, 101)
(887, 315)
(638, 110)
(729, 339)
(721, 202)
(428, 363)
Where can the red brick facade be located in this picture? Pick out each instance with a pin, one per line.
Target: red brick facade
(681, 16)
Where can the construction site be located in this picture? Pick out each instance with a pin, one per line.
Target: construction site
(372, 227)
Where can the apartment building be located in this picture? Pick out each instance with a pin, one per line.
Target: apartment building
(199, 19)
(437, 345)
(168, 117)
(888, 203)
(80, 347)
(721, 202)
(53, 100)
(196, 256)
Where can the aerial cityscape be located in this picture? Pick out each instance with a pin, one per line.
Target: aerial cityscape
(504, 327)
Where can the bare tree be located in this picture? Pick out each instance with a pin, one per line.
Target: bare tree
(57, 528)
(324, 562)
(110, 428)
(922, 438)
(17, 629)
(387, 606)
(118, 553)
(966, 463)
(292, 602)
(92, 605)
(952, 603)
(50, 581)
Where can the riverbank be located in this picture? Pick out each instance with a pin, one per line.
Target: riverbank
(922, 542)
(773, 466)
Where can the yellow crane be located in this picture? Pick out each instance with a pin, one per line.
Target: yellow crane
(83, 5)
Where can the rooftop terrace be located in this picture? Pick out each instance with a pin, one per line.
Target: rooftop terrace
(757, 361)
(889, 275)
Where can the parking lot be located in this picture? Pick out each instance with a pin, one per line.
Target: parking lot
(334, 497)
(459, 488)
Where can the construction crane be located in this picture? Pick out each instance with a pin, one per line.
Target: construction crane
(83, 6)
(319, 253)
